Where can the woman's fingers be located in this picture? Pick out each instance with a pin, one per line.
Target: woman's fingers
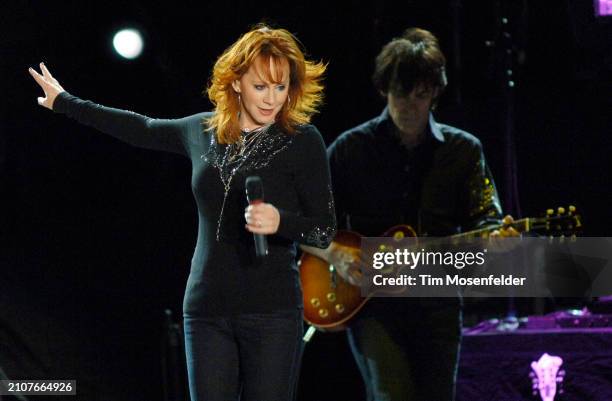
(40, 80)
(253, 218)
(254, 213)
(45, 71)
(259, 227)
(48, 75)
(48, 84)
(249, 217)
(262, 218)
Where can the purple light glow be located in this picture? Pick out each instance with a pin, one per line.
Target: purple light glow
(603, 7)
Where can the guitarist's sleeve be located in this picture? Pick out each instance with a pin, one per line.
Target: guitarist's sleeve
(481, 201)
(315, 223)
(337, 166)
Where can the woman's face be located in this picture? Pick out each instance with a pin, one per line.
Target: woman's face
(261, 98)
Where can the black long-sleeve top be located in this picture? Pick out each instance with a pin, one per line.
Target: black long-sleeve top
(440, 187)
(225, 277)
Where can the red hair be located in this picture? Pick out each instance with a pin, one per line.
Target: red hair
(276, 45)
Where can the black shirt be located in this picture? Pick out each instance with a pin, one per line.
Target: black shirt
(439, 187)
(225, 277)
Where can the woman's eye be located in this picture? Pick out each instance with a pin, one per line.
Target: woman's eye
(280, 88)
(259, 87)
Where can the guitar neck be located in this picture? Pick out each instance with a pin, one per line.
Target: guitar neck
(522, 225)
(561, 224)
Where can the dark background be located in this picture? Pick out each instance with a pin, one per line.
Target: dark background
(97, 236)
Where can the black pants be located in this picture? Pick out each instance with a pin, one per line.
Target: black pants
(251, 357)
(408, 349)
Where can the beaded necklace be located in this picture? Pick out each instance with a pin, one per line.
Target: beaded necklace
(236, 154)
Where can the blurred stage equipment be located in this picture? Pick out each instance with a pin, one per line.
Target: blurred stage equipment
(565, 355)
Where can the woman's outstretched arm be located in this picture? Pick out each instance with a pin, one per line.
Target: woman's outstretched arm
(133, 128)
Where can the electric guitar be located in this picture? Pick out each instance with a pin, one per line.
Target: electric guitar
(330, 301)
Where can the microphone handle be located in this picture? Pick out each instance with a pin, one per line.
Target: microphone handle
(261, 245)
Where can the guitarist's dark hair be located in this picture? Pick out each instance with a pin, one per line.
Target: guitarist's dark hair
(413, 59)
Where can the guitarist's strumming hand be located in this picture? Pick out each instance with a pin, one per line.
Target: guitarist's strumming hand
(347, 262)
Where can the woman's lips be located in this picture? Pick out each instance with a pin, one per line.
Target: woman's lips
(266, 112)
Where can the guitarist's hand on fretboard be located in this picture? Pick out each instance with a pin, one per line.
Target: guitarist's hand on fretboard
(506, 230)
(496, 237)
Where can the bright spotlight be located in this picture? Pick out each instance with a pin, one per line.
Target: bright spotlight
(128, 43)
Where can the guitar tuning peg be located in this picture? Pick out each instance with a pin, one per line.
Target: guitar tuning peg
(572, 209)
(573, 238)
(561, 211)
(550, 212)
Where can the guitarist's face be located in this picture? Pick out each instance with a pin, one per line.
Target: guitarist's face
(410, 112)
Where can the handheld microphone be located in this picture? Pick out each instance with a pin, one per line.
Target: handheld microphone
(255, 195)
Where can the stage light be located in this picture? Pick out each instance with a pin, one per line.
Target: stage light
(128, 43)
(603, 8)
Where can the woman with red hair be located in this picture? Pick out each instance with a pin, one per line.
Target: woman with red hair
(242, 314)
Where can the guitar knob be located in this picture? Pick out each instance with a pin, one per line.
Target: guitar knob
(550, 212)
(339, 308)
(323, 312)
(331, 297)
(561, 211)
(315, 302)
(398, 235)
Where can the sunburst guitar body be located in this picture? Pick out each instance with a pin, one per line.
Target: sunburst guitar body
(329, 300)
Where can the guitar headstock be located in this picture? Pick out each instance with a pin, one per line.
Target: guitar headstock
(561, 222)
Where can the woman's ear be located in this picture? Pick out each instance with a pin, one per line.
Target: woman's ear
(236, 85)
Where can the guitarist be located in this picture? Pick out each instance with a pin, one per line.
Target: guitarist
(403, 167)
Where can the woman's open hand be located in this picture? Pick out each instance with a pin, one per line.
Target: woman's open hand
(49, 85)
